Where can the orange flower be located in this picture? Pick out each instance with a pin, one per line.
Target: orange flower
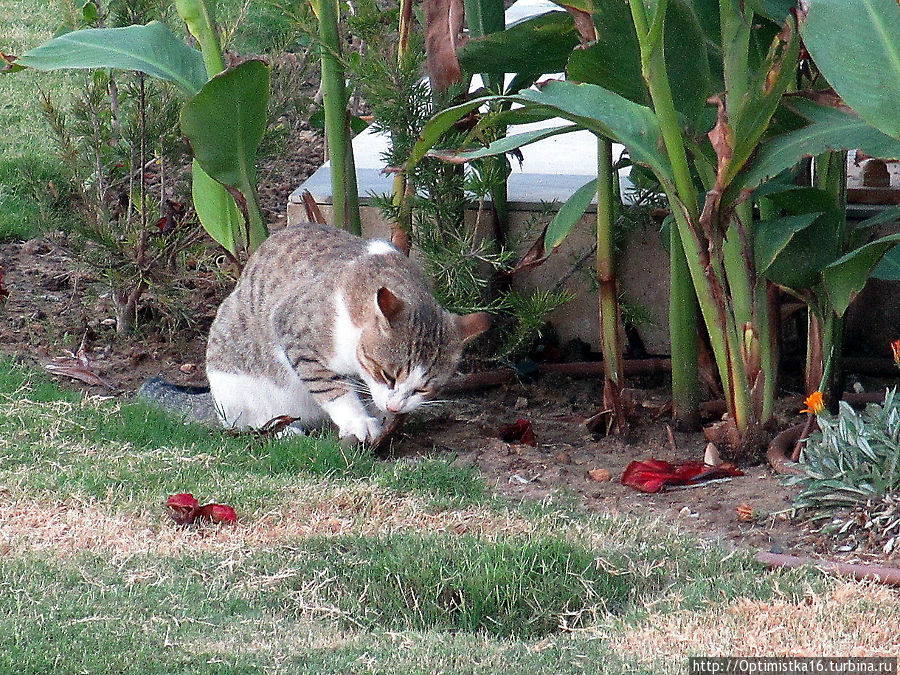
(815, 403)
(895, 347)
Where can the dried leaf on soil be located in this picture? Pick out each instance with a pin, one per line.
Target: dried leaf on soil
(519, 432)
(78, 367)
(600, 475)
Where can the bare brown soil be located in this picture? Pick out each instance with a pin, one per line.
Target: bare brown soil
(53, 307)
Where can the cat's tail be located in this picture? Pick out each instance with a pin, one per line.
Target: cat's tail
(195, 404)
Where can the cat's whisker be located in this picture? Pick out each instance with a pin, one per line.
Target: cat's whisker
(434, 404)
(359, 386)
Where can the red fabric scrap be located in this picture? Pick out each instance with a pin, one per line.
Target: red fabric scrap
(651, 475)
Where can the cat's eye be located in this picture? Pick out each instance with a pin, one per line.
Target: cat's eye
(391, 381)
(423, 392)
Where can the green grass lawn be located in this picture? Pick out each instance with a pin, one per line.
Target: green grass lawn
(338, 563)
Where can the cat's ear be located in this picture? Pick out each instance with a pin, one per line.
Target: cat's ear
(472, 325)
(388, 305)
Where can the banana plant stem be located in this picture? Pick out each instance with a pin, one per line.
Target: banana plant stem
(200, 20)
(683, 338)
(610, 319)
(344, 195)
(682, 194)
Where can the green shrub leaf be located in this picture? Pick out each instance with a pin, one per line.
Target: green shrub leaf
(536, 46)
(829, 129)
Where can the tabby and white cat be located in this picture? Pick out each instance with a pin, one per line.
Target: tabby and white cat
(315, 311)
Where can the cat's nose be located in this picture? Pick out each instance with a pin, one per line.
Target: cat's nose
(394, 407)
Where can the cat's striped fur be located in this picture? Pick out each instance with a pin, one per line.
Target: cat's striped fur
(319, 314)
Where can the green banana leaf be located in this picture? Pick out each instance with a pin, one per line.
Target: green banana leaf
(224, 124)
(152, 49)
(856, 46)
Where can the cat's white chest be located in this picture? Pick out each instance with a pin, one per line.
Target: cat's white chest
(345, 340)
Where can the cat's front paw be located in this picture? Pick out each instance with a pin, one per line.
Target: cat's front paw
(364, 429)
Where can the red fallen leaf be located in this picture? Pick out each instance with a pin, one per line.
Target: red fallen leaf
(185, 509)
(520, 432)
(651, 475)
(218, 513)
(182, 500)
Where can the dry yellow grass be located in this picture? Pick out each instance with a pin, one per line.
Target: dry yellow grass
(853, 619)
(68, 527)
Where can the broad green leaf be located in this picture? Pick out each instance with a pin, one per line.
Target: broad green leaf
(803, 199)
(507, 143)
(798, 265)
(686, 60)
(846, 276)
(613, 61)
(829, 129)
(224, 124)
(859, 232)
(763, 96)
(773, 10)
(794, 256)
(603, 112)
(707, 12)
(512, 116)
(889, 215)
(888, 269)
(484, 17)
(771, 238)
(568, 215)
(856, 46)
(152, 49)
(216, 210)
(538, 45)
(606, 114)
(438, 125)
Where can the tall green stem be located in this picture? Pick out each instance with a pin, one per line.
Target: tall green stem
(683, 338)
(830, 175)
(199, 17)
(484, 17)
(735, 28)
(401, 228)
(200, 20)
(610, 319)
(748, 295)
(345, 198)
(682, 193)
